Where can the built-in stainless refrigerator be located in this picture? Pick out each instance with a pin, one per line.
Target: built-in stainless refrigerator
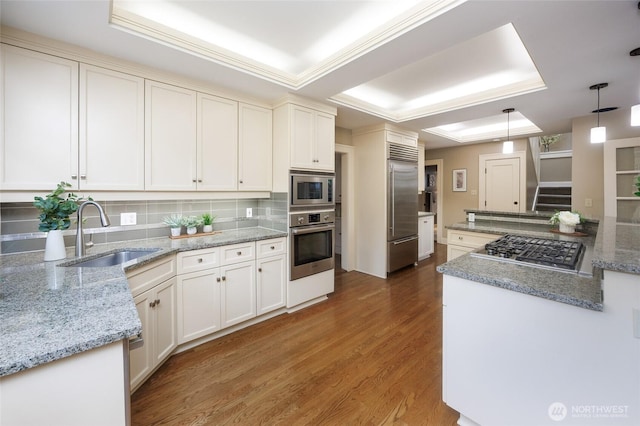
(402, 207)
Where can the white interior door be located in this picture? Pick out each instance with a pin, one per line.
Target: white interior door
(502, 185)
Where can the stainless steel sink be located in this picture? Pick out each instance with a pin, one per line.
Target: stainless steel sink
(113, 259)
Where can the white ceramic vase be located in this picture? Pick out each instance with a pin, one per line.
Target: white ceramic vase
(175, 232)
(191, 230)
(567, 229)
(207, 228)
(54, 248)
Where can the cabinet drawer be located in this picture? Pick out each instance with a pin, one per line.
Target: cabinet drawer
(198, 260)
(237, 253)
(470, 239)
(271, 247)
(144, 278)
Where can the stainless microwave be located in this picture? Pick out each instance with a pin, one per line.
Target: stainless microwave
(311, 190)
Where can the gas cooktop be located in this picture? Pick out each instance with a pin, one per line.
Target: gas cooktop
(540, 252)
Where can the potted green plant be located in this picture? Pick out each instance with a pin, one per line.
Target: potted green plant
(566, 220)
(637, 193)
(207, 222)
(175, 222)
(192, 223)
(55, 211)
(547, 141)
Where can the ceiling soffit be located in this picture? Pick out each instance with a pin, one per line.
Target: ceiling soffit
(127, 15)
(492, 66)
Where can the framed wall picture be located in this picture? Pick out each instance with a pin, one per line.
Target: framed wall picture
(460, 180)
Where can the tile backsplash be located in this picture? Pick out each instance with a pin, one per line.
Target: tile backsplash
(19, 221)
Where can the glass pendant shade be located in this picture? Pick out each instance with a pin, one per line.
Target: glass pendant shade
(507, 147)
(598, 134)
(635, 115)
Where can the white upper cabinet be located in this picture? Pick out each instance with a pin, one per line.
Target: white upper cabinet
(170, 138)
(255, 148)
(111, 149)
(304, 139)
(217, 153)
(39, 141)
(312, 139)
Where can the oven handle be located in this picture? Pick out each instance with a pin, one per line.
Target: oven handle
(310, 229)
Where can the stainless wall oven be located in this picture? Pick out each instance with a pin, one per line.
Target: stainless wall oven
(311, 190)
(311, 243)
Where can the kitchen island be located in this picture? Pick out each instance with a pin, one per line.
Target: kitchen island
(74, 323)
(529, 346)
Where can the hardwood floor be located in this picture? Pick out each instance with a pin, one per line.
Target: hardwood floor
(371, 354)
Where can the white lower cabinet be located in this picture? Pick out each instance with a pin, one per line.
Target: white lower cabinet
(425, 236)
(462, 242)
(157, 310)
(201, 292)
(238, 293)
(271, 275)
(154, 292)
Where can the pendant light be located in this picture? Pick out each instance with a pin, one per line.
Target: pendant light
(635, 115)
(635, 110)
(598, 133)
(507, 146)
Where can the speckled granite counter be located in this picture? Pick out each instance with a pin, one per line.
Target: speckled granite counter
(573, 289)
(616, 247)
(48, 312)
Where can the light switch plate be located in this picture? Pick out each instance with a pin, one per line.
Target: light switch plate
(249, 212)
(128, 219)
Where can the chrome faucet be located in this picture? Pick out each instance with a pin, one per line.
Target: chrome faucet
(104, 219)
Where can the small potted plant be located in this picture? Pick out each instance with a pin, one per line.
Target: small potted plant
(175, 222)
(547, 141)
(55, 210)
(567, 221)
(637, 193)
(192, 223)
(207, 222)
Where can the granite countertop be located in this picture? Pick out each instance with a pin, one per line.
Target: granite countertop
(571, 288)
(48, 312)
(616, 246)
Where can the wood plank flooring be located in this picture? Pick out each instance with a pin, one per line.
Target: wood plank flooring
(371, 354)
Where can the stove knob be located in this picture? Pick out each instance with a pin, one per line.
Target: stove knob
(300, 220)
(326, 217)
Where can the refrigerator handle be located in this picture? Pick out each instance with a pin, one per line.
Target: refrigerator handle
(393, 204)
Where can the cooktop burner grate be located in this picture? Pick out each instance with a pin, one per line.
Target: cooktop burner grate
(538, 251)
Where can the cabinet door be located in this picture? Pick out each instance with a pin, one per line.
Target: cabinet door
(238, 293)
(39, 142)
(198, 304)
(302, 137)
(141, 358)
(165, 320)
(255, 148)
(170, 138)
(621, 168)
(217, 143)
(324, 143)
(271, 283)
(111, 130)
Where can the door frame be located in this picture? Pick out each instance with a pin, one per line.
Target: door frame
(439, 163)
(348, 205)
(482, 190)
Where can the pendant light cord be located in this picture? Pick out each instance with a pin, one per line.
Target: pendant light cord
(598, 110)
